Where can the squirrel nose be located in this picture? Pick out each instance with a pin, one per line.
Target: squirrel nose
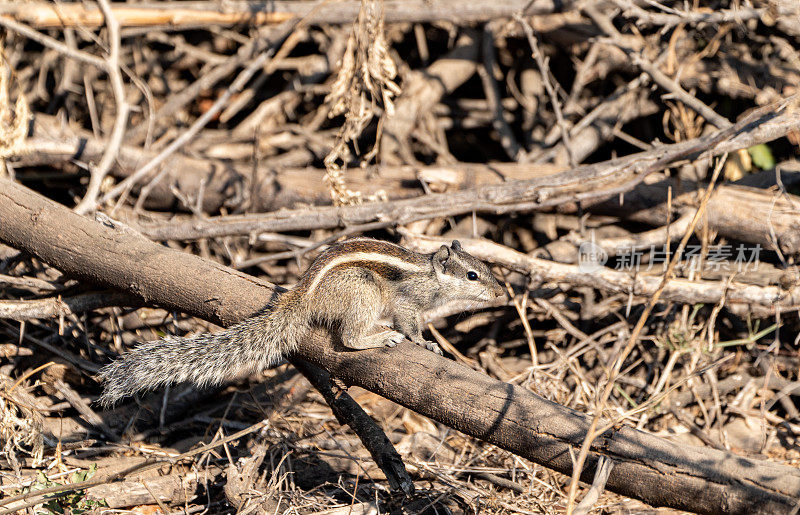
(499, 291)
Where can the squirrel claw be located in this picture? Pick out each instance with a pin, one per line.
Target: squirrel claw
(393, 339)
(431, 346)
(338, 383)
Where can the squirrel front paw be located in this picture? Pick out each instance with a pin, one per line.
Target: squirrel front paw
(385, 338)
(393, 338)
(431, 346)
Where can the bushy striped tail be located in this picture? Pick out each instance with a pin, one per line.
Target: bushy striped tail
(206, 359)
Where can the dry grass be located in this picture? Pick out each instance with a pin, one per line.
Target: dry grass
(13, 120)
(364, 84)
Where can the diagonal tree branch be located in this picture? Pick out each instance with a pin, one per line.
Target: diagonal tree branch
(649, 468)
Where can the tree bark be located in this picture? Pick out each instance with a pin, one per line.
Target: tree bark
(648, 468)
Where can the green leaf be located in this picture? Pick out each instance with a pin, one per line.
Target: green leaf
(42, 481)
(750, 339)
(762, 156)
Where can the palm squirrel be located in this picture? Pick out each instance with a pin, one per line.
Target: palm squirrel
(347, 289)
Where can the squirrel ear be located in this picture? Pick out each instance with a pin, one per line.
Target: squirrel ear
(441, 256)
(456, 245)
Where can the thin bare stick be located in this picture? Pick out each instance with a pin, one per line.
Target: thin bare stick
(236, 87)
(600, 180)
(659, 77)
(694, 18)
(492, 92)
(99, 172)
(53, 43)
(544, 68)
(678, 92)
(766, 299)
(260, 43)
(260, 12)
(604, 466)
(592, 433)
(57, 306)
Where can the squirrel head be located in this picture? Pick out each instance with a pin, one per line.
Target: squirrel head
(464, 276)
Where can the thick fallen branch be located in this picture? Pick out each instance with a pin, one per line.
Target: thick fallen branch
(57, 306)
(54, 145)
(586, 183)
(171, 489)
(646, 467)
(194, 14)
(763, 216)
(224, 182)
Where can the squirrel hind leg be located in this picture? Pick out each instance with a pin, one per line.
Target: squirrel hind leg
(358, 317)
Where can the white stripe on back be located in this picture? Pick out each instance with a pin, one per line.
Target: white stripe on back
(374, 257)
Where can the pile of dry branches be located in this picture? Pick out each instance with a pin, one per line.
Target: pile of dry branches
(629, 168)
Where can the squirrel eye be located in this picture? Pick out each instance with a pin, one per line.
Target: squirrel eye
(472, 276)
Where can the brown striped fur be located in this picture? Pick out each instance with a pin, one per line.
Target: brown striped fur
(347, 289)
